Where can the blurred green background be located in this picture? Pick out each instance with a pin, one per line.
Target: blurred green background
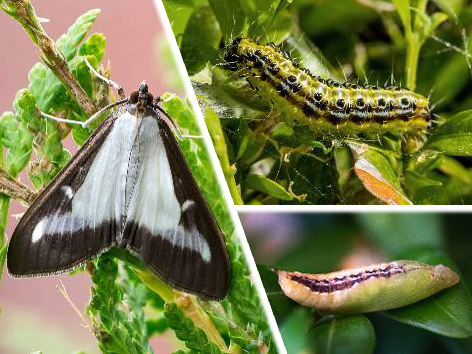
(325, 242)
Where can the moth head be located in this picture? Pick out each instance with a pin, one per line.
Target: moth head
(141, 100)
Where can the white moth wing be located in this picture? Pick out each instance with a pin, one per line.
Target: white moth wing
(71, 220)
(169, 224)
(153, 203)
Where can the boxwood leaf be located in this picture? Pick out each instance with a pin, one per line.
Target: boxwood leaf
(454, 137)
(265, 185)
(334, 335)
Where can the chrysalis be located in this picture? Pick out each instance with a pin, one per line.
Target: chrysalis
(373, 288)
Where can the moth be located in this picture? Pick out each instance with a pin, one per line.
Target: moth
(129, 186)
(373, 288)
(322, 104)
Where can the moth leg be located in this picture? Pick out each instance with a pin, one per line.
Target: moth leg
(109, 82)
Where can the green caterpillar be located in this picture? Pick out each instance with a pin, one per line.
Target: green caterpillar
(325, 104)
(374, 288)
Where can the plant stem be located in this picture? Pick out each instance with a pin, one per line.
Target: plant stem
(217, 136)
(15, 189)
(412, 56)
(23, 12)
(4, 205)
(186, 303)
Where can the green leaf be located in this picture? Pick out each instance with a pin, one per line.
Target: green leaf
(18, 141)
(421, 188)
(52, 148)
(50, 94)
(451, 7)
(251, 145)
(265, 185)
(156, 326)
(69, 42)
(3, 256)
(94, 45)
(118, 331)
(294, 329)
(436, 19)
(343, 335)
(178, 13)
(25, 107)
(448, 313)
(230, 16)
(80, 135)
(454, 137)
(450, 78)
(395, 233)
(200, 40)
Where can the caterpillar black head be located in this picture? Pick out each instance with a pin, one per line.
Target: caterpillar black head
(232, 57)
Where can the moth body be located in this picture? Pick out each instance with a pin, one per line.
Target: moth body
(129, 186)
(374, 288)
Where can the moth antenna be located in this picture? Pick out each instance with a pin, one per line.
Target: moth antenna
(109, 82)
(61, 120)
(104, 109)
(168, 98)
(86, 123)
(170, 122)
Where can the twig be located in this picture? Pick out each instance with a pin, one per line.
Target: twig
(23, 12)
(185, 303)
(15, 189)
(193, 311)
(63, 291)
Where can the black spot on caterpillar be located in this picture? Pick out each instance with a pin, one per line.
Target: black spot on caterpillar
(372, 288)
(325, 104)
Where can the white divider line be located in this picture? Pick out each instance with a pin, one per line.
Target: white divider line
(219, 174)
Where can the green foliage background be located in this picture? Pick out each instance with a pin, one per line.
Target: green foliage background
(424, 45)
(326, 241)
(128, 303)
